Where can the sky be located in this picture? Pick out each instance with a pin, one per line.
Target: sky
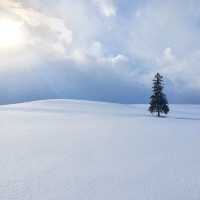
(102, 50)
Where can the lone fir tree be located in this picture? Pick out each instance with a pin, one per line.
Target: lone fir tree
(158, 102)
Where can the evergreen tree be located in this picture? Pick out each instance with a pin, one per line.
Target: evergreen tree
(158, 101)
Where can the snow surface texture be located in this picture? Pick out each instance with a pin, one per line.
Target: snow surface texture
(79, 150)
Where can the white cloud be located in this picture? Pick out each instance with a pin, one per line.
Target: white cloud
(119, 59)
(168, 55)
(79, 56)
(106, 7)
(97, 51)
(96, 54)
(44, 29)
(46, 36)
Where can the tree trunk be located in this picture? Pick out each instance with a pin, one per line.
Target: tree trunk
(158, 113)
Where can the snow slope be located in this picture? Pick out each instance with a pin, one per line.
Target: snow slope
(79, 150)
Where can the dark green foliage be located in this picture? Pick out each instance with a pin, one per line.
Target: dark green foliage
(158, 102)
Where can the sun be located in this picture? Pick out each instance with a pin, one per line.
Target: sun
(11, 34)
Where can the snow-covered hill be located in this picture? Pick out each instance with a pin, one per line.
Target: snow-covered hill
(79, 150)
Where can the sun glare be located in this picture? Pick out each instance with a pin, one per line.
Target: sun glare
(11, 34)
